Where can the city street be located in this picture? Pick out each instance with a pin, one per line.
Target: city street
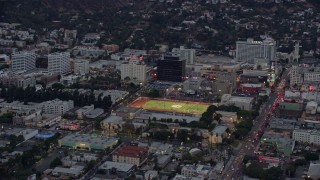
(233, 170)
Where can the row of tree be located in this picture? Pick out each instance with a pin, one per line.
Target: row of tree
(30, 94)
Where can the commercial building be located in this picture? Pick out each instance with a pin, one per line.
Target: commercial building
(23, 61)
(57, 106)
(87, 51)
(244, 103)
(26, 133)
(203, 171)
(80, 113)
(112, 125)
(186, 54)
(130, 154)
(87, 141)
(81, 67)
(71, 172)
(59, 62)
(111, 48)
(11, 79)
(288, 109)
(314, 170)
(218, 134)
(229, 118)
(121, 170)
(248, 51)
(134, 70)
(171, 68)
(300, 75)
(306, 136)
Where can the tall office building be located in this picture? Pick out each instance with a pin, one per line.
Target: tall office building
(171, 68)
(250, 50)
(23, 61)
(186, 54)
(59, 62)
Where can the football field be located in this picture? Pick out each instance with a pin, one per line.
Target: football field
(186, 107)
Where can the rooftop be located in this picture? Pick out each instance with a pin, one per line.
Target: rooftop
(219, 130)
(314, 169)
(87, 138)
(131, 151)
(113, 119)
(108, 165)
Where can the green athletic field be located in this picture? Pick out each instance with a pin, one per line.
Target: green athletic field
(179, 106)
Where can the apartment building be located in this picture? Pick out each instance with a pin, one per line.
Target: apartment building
(135, 70)
(300, 75)
(248, 51)
(59, 62)
(81, 67)
(23, 61)
(87, 51)
(131, 155)
(112, 125)
(203, 171)
(57, 106)
(244, 103)
(306, 136)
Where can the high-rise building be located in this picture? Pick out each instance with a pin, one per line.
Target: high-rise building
(23, 61)
(171, 68)
(248, 51)
(135, 70)
(59, 62)
(186, 54)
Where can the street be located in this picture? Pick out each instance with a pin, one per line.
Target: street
(233, 170)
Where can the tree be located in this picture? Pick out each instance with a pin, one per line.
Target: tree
(290, 171)
(182, 135)
(57, 86)
(162, 135)
(153, 93)
(254, 171)
(56, 162)
(311, 156)
(273, 173)
(90, 165)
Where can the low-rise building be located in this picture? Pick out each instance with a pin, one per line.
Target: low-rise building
(314, 170)
(72, 172)
(87, 51)
(244, 103)
(94, 113)
(151, 174)
(228, 117)
(112, 125)
(290, 109)
(130, 154)
(218, 134)
(81, 67)
(87, 141)
(80, 113)
(306, 136)
(120, 170)
(26, 133)
(203, 171)
(57, 106)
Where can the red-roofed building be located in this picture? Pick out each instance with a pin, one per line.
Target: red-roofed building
(131, 155)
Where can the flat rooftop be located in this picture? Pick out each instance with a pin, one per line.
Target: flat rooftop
(87, 138)
(124, 167)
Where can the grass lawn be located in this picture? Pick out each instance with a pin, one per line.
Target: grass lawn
(180, 107)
